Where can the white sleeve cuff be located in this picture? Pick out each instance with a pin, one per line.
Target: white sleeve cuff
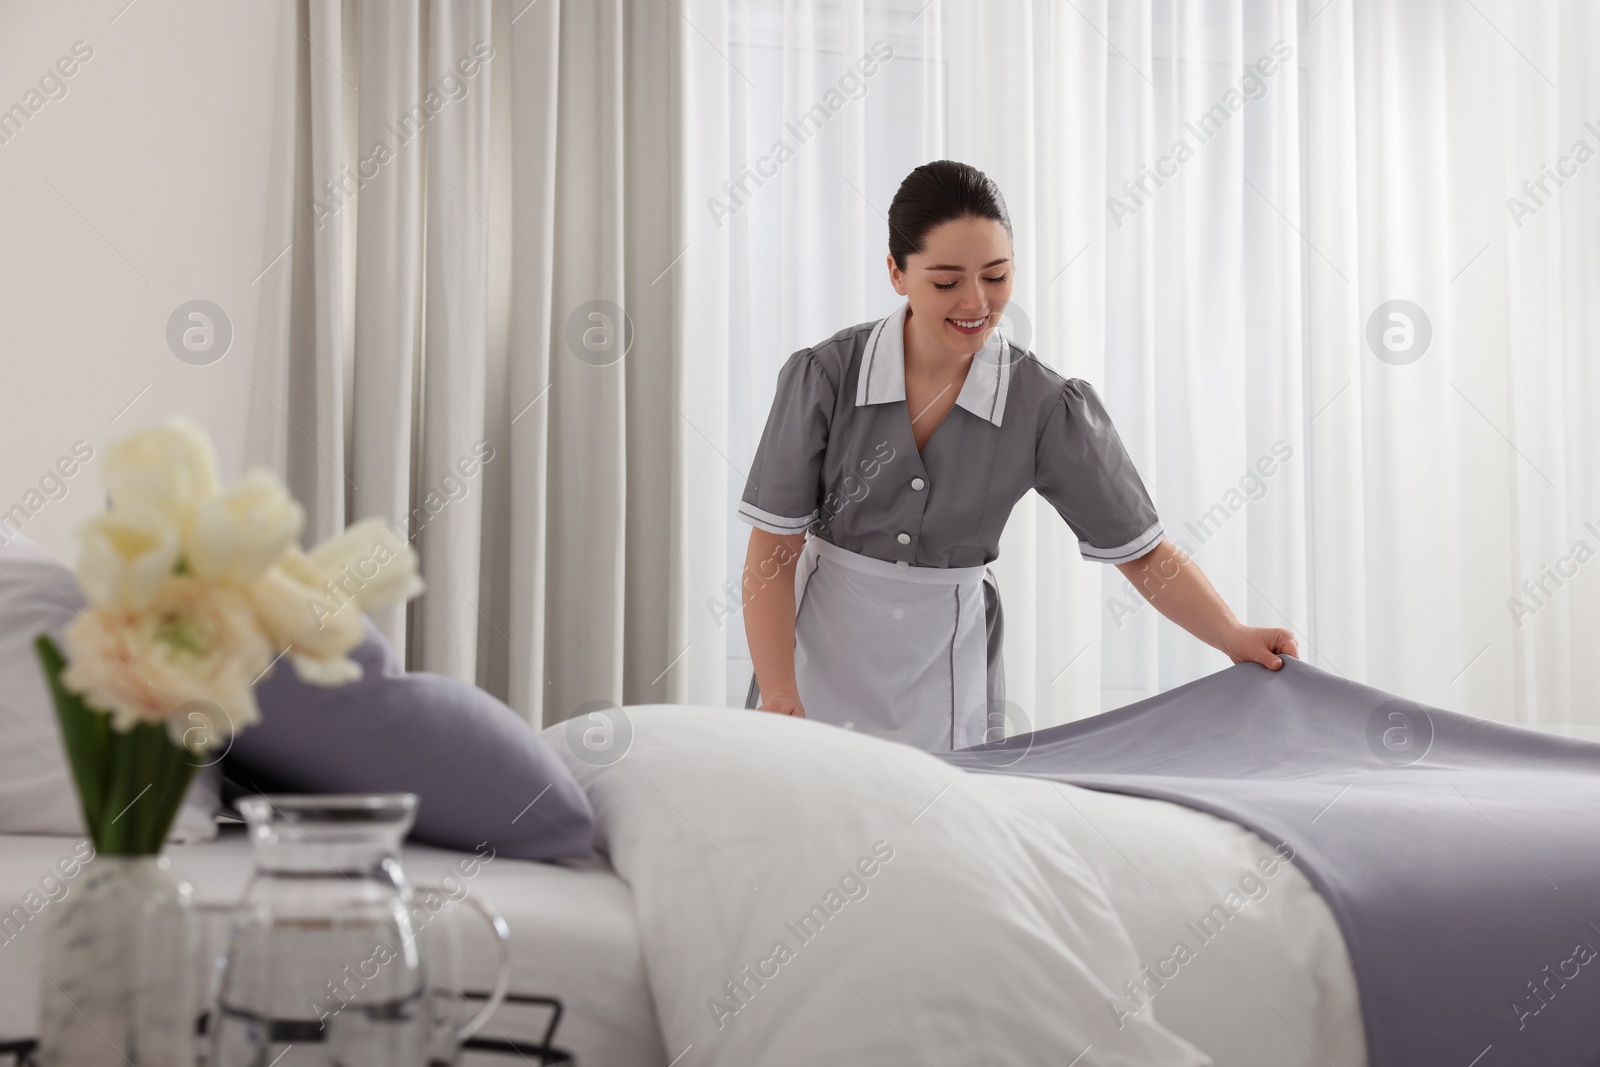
(1125, 553)
(777, 524)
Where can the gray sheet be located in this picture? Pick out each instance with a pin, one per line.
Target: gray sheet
(1461, 857)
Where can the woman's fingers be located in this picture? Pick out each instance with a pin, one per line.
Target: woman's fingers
(1266, 645)
(1278, 643)
(783, 704)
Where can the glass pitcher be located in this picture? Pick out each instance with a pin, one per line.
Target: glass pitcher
(326, 965)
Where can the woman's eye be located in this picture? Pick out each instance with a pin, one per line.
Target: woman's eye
(952, 285)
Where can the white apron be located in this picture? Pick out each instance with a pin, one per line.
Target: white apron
(896, 652)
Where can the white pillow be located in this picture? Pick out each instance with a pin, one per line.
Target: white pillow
(40, 594)
(951, 925)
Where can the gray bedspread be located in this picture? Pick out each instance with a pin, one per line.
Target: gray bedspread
(1460, 857)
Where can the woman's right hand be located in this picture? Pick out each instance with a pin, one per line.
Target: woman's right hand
(783, 704)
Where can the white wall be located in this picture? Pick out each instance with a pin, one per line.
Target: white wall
(164, 145)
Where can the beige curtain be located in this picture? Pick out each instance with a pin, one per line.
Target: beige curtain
(485, 331)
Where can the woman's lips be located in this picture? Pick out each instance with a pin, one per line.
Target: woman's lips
(970, 331)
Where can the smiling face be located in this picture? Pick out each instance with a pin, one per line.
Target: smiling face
(957, 286)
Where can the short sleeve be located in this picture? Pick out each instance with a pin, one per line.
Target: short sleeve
(1083, 470)
(783, 494)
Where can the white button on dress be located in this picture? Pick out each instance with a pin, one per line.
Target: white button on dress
(917, 483)
(904, 539)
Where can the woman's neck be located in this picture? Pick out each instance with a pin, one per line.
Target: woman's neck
(929, 360)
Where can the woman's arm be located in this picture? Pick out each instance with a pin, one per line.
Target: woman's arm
(1179, 589)
(768, 596)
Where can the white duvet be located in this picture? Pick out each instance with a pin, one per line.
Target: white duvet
(807, 895)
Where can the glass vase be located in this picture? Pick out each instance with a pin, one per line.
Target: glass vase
(115, 977)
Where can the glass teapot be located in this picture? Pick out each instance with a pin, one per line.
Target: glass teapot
(333, 959)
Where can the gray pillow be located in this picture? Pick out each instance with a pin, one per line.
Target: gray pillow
(480, 771)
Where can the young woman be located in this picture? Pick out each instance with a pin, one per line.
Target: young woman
(894, 453)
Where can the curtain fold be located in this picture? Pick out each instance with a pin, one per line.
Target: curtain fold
(378, 191)
(534, 79)
(319, 390)
(700, 469)
(452, 394)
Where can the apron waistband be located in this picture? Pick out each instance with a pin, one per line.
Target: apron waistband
(883, 568)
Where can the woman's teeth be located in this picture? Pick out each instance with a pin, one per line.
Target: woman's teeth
(970, 324)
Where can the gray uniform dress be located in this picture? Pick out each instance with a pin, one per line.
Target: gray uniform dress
(898, 628)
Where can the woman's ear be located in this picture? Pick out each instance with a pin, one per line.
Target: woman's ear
(897, 277)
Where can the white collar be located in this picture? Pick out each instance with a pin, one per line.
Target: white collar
(883, 370)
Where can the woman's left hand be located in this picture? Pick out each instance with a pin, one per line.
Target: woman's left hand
(1265, 645)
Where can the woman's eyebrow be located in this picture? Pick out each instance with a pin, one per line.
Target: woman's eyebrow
(963, 270)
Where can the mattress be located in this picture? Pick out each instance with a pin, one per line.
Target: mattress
(572, 927)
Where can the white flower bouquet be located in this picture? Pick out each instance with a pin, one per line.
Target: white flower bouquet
(196, 590)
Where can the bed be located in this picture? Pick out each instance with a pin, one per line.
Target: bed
(574, 934)
(1006, 925)
(1234, 873)
(1258, 867)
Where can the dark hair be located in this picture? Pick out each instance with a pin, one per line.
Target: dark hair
(936, 193)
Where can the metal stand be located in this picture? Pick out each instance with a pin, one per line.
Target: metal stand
(24, 1053)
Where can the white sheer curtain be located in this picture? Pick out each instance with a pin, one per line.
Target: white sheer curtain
(504, 330)
(1231, 298)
